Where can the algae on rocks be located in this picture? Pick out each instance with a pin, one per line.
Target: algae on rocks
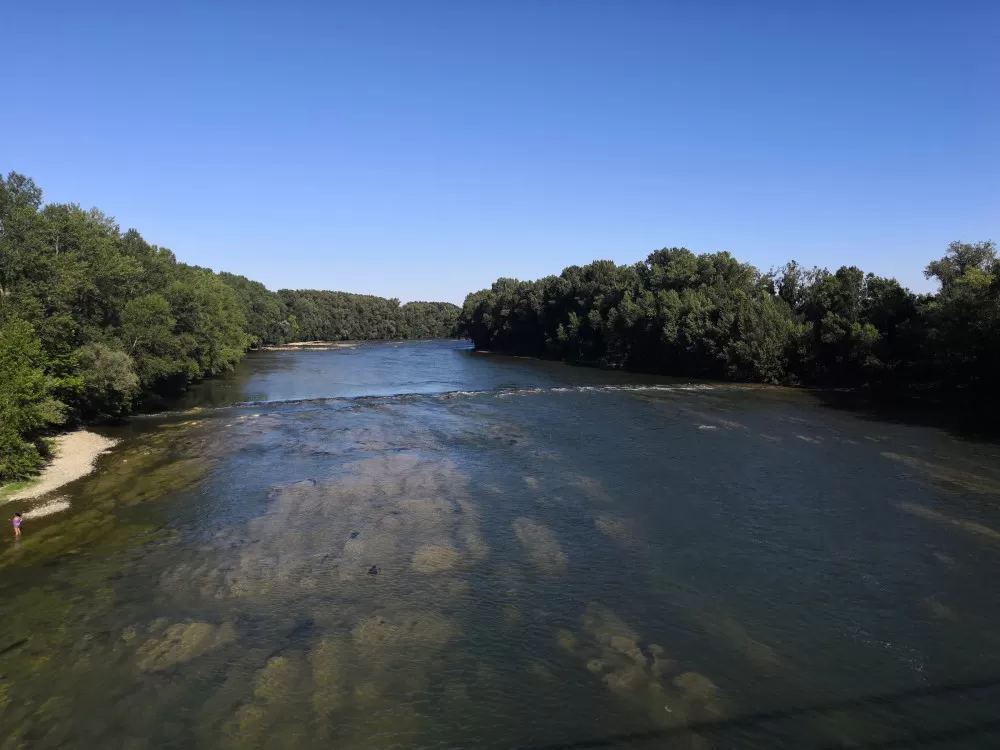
(398, 512)
(611, 650)
(434, 558)
(615, 528)
(182, 642)
(271, 717)
(327, 664)
(541, 545)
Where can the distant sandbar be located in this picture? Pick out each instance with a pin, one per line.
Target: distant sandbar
(295, 346)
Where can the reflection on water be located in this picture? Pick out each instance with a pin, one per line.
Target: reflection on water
(512, 554)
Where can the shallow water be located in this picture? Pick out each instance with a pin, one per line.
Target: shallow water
(566, 557)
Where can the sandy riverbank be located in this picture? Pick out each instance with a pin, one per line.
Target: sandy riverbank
(75, 455)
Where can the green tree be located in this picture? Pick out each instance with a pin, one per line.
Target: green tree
(27, 405)
(19, 236)
(147, 333)
(711, 316)
(963, 322)
(263, 309)
(208, 322)
(109, 381)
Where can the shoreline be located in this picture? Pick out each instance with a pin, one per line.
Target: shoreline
(74, 456)
(298, 346)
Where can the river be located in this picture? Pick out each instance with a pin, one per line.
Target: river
(565, 557)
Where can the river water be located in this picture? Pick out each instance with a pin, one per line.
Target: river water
(566, 558)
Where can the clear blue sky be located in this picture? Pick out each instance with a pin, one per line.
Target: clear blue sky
(421, 149)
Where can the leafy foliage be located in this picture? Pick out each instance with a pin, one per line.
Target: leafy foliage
(110, 383)
(710, 316)
(97, 322)
(27, 401)
(339, 316)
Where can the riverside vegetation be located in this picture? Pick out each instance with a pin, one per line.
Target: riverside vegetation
(710, 316)
(96, 322)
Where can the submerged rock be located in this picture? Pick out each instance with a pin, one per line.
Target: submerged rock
(661, 664)
(246, 725)
(433, 558)
(390, 522)
(353, 549)
(541, 671)
(275, 681)
(696, 686)
(327, 662)
(182, 642)
(949, 476)
(700, 696)
(541, 545)
(621, 658)
(427, 629)
(262, 721)
(603, 625)
(614, 528)
(625, 678)
(588, 485)
(401, 511)
(634, 673)
(566, 640)
(475, 545)
(932, 515)
(628, 647)
(374, 631)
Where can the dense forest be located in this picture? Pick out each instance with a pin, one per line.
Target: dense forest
(710, 316)
(96, 322)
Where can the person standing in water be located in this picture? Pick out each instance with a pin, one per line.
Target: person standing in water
(16, 520)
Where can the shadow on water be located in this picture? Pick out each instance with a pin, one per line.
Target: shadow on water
(757, 726)
(973, 421)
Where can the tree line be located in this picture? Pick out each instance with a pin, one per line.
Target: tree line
(96, 322)
(710, 316)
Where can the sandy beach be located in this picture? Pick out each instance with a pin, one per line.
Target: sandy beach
(75, 455)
